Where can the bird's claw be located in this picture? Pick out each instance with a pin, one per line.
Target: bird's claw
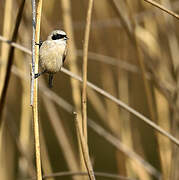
(36, 75)
(39, 44)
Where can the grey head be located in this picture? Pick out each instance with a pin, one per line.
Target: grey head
(57, 35)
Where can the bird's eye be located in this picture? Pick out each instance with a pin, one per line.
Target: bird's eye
(58, 36)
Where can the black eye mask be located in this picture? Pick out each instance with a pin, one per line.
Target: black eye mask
(58, 36)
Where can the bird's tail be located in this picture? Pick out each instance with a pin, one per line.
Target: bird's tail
(50, 80)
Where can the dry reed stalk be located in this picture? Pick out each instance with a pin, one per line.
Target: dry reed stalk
(164, 144)
(165, 88)
(134, 40)
(84, 147)
(10, 60)
(147, 89)
(6, 31)
(142, 65)
(151, 33)
(143, 72)
(162, 77)
(12, 129)
(25, 118)
(120, 7)
(165, 154)
(123, 105)
(92, 55)
(146, 37)
(16, 45)
(132, 167)
(139, 56)
(111, 61)
(7, 158)
(76, 93)
(35, 92)
(97, 103)
(46, 164)
(67, 20)
(172, 173)
(162, 8)
(113, 118)
(122, 147)
(128, 28)
(98, 129)
(125, 126)
(25, 134)
(126, 107)
(33, 51)
(99, 174)
(126, 23)
(85, 64)
(61, 134)
(112, 111)
(108, 79)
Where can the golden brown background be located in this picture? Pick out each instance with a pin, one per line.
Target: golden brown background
(133, 55)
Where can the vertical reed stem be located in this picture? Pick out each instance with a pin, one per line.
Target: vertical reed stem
(35, 92)
(85, 63)
(84, 148)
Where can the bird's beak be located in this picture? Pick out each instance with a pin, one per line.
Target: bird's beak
(66, 38)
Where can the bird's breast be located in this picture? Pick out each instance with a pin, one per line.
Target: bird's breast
(51, 56)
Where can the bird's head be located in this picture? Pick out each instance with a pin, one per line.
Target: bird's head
(57, 35)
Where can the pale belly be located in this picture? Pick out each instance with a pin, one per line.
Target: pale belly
(51, 57)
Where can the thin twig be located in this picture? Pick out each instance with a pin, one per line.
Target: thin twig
(71, 173)
(162, 8)
(85, 63)
(16, 45)
(35, 94)
(10, 60)
(99, 174)
(84, 148)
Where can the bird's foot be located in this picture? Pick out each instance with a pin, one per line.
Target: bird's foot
(39, 44)
(37, 75)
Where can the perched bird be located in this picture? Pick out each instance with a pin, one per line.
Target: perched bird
(53, 53)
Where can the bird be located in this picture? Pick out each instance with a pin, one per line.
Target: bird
(52, 54)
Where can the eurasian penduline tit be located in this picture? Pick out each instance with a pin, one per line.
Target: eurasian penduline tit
(52, 53)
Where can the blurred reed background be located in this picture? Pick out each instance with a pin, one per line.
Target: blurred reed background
(133, 55)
